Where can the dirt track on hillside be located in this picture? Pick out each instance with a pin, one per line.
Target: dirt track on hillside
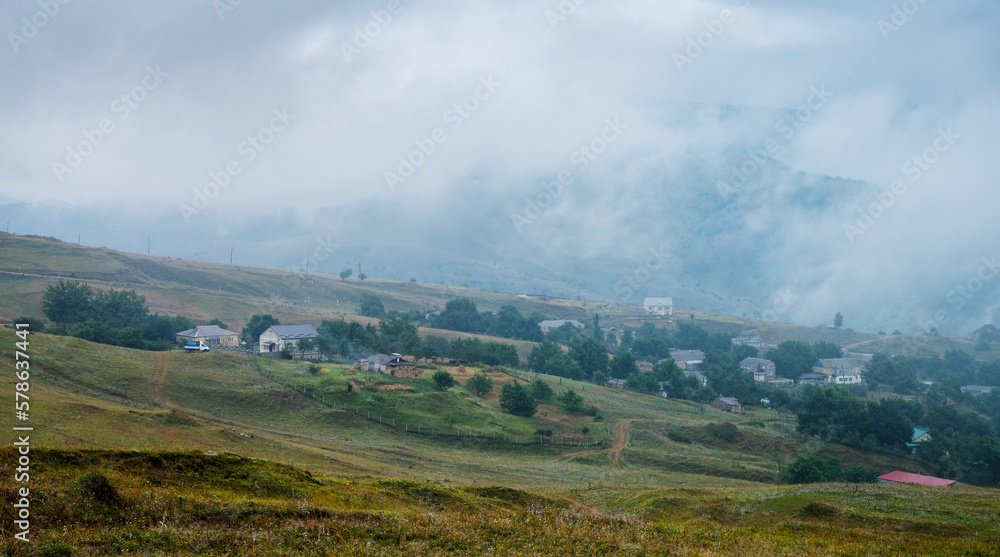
(159, 375)
(622, 437)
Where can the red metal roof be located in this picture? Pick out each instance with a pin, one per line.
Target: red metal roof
(908, 478)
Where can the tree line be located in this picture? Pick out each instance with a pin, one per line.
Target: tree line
(116, 317)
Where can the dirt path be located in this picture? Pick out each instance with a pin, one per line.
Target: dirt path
(622, 437)
(159, 375)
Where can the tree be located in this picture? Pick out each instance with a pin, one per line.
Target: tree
(218, 323)
(643, 383)
(305, 345)
(838, 320)
(792, 358)
(362, 276)
(591, 355)
(572, 401)
(459, 314)
(596, 329)
(541, 391)
(442, 380)
(346, 273)
(397, 335)
(814, 468)
(35, 324)
(825, 349)
(371, 306)
(623, 366)
(480, 384)
(258, 323)
(67, 302)
(541, 353)
(515, 399)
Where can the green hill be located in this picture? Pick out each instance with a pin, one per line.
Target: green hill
(233, 293)
(202, 450)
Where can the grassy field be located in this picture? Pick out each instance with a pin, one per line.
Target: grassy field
(99, 502)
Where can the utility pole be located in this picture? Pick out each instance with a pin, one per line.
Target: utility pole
(359, 271)
(78, 234)
(147, 245)
(230, 255)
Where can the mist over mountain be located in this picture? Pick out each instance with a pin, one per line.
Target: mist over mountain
(773, 159)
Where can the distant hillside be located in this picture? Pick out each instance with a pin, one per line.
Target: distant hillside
(206, 290)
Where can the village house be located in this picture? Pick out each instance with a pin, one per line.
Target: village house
(976, 390)
(394, 365)
(728, 404)
(616, 383)
(692, 360)
(701, 377)
(761, 369)
(839, 371)
(898, 477)
(277, 337)
(658, 306)
(756, 342)
(813, 378)
(920, 434)
(212, 335)
(553, 324)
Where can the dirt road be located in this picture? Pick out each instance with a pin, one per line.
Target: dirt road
(622, 436)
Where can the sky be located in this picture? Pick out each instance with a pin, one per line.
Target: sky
(200, 105)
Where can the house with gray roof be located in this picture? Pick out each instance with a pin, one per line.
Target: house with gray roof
(553, 324)
(212, 335)
(277, 337)
(840, 371)
(688, 359)
(761, 369)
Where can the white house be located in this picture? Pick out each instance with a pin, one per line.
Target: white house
(277, 337)
(658, 306)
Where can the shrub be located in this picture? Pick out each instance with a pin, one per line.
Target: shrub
(443, 380)
(314, 369)
(585, 430)
(98, 487)
(544, 432)
(541, 390)
(517, 400)
(591, 411)
(679, 437)
(725, 431)
(480, 384)
(861, 474)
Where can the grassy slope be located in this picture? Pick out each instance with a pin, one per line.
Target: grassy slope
(170, 503)
(233, 293)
